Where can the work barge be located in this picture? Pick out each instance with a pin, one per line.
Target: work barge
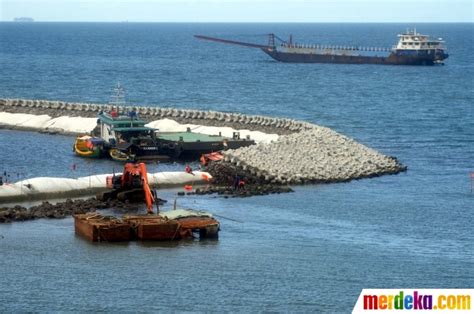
(168, 226)
(131, 138)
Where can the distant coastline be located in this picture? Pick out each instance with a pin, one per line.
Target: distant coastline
(23, 19)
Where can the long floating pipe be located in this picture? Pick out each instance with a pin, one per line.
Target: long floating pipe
(233, 42)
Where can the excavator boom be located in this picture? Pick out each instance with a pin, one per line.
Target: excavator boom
(149, 199)
(233, 42)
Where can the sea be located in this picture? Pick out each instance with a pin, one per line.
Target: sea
(313, 250)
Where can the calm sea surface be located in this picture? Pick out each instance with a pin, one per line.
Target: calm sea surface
(312, 250)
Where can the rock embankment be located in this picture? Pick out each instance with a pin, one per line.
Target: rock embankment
(316, 155)
(303, 152)
(48, 210)
(63, 209)
(56, 109)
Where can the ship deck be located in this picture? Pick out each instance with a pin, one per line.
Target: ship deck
(190, 137)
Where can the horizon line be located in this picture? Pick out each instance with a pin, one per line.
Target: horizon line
(242, 22)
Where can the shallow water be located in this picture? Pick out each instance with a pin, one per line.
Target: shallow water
(314, 249)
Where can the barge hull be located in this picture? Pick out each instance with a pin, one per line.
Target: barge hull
(392, 59)
(96, 231)
(97, 228)
(153, 228)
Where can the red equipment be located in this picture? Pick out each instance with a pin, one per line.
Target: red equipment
(216, 156)
(131, 185)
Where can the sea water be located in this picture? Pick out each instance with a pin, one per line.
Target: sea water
(312, 250)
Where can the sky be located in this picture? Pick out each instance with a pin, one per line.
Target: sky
(313, 11)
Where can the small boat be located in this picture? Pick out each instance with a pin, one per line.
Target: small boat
(118, 155)
(87, 146)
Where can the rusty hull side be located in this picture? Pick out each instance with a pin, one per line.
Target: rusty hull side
(84, 229)
(153, 227)
(162, 231)
(97, 229)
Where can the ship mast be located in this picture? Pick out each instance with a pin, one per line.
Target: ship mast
(118, 96)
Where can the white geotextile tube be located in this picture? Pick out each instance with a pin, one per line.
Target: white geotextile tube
(50, 187)
(77, 125)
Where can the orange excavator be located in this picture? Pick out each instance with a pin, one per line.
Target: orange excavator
(132, 185)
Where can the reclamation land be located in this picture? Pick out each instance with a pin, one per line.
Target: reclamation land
(287, 151)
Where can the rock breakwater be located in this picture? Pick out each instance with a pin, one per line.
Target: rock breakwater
(63, 209)
(317, 155)
(57, 109)
(303, 153)
(48, 210)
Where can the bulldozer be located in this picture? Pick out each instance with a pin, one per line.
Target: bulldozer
(132, 186)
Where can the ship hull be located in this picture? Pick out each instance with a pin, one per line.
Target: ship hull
(391, 59)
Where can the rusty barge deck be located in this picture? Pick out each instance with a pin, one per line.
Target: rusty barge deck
(176, 225)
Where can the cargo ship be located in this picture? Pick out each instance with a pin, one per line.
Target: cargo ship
(412, 49)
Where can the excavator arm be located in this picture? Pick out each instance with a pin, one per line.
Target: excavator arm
(149, 199)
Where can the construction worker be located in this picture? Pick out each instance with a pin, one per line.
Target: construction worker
(133, 114)
(235, 183)
(241, 184)
(189, 170)
(114, 112)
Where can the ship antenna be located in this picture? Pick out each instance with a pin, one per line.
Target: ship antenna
(118, 98)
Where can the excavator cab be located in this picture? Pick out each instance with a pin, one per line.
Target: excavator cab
(132, 186)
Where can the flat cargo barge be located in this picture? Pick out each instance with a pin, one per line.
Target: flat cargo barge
(188, 143)
(168, 226)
